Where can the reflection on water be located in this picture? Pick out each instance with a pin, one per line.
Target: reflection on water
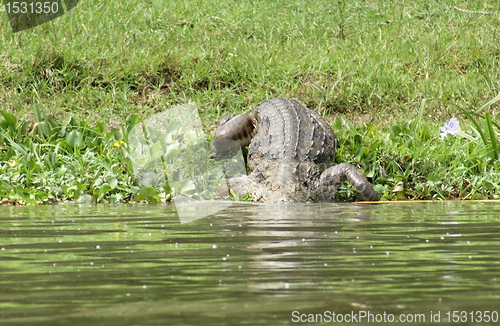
(251, 263)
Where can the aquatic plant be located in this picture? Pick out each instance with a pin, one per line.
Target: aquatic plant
(45, 161)
(484, 127)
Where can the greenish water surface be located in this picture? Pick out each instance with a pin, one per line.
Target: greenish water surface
(250, 264)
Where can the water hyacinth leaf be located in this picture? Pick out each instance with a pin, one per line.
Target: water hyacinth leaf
(44, 129)
(186, 186)
(361, 152)
(398, 187)
(374, 145)
(170, 139)
(116, 198)
(25, 128)
(60, 171)
(84, 124)
(170, 152)
(118, 135)
(62, 132)
(42, 196)
(85, 199)
(104, 189)
(174, 128)
(101, 127)
(488, 185)
(26, 196)
(67, 190)
(381, 189)
(4, 186)
(150, 179)
(112, 181)
(81, 186)
(156, 151)
(371, 130)
(10, 119)
(54, 124)
(31, 164)
(147, 194)
(396, 130)
(74, 139)
(72, 121)
(194, 136)
(432, 177)
(98, 182)
(40, 113)
(132, 120)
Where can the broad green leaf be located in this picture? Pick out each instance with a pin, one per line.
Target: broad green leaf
(74, 139)
(101, 127)
(117, 134)
(112, 181)
(186, 186)
(44, 129)
(156, 151)
(174, 127)
(115, 199)
(10, 118)
(104, 189)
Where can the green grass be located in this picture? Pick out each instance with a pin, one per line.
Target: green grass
(367, 63)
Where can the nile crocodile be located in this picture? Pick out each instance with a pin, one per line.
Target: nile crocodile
(291, 154)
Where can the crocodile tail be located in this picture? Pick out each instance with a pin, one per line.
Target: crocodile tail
(331, 179)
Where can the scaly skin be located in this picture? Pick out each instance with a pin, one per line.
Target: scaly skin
(291, 153)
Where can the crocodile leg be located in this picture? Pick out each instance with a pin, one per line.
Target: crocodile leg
(239, 128)
(232, 134)
(331, 179)
(238, 185)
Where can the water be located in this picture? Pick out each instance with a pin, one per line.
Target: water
(250, 264)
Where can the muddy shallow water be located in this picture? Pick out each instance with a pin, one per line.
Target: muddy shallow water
(249, 264)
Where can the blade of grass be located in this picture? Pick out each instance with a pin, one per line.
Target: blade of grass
(477, 125)
(420, 114)
(487, 104)
(14, 144)
(493, 138)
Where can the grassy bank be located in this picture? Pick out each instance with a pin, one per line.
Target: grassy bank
(365, 65)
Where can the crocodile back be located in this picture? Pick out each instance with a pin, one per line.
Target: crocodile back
(286, 128)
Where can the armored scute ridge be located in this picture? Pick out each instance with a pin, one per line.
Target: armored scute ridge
(291, 154)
